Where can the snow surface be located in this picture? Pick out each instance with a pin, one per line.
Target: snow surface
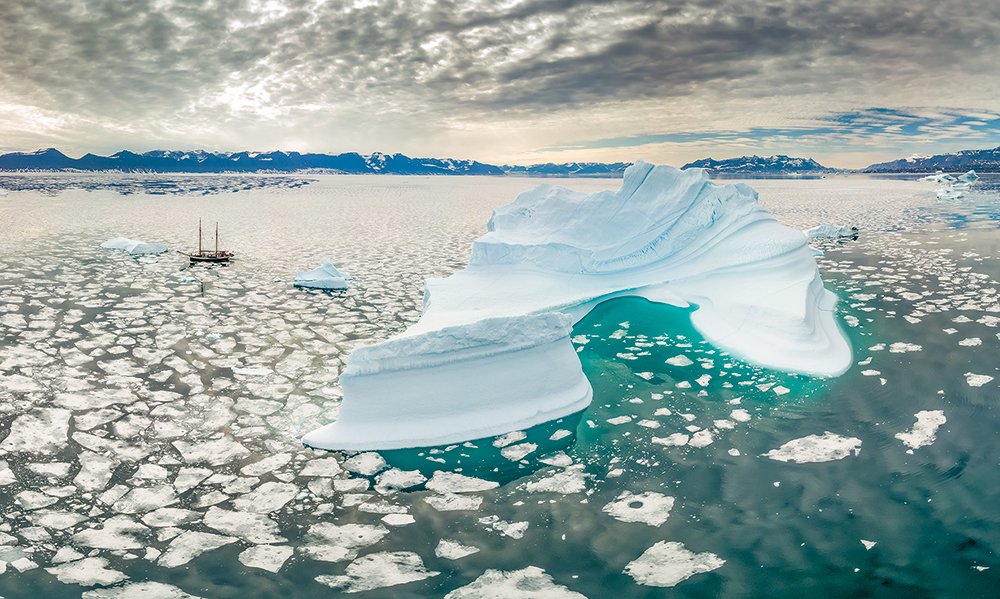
(324, 277)
(502, 325)
(134, 247)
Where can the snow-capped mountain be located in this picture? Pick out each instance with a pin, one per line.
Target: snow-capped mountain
(200, 161)
(979, 160)
(759, 165)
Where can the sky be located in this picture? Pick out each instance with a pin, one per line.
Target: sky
(846, 82)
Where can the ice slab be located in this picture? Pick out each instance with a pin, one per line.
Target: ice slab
(326, 276)
(134, 247)
(501, 326)
(666, 564)
(379, 570)
(816, 448)
(529, 583)
(266, 557)
(89, 571)
(146, 590)
(649, 508)
(448, 549)
(925, 430)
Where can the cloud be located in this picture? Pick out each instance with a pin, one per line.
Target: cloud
(449, 76)
(879, 125)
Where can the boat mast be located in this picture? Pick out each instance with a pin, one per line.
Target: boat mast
(216, 238)
(199, 236)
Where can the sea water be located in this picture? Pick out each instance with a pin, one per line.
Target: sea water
(150, 412)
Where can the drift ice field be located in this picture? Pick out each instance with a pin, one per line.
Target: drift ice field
(643, 387)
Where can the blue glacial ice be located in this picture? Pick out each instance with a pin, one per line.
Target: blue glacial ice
(491, 352)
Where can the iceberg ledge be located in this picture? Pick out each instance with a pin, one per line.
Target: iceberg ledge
(492, 353)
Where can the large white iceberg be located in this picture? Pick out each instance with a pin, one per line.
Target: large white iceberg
(325, 277)
(134, 247)
(491, 352)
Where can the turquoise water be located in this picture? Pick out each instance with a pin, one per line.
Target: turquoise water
(138, 358)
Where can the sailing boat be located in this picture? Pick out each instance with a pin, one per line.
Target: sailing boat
(215, 256)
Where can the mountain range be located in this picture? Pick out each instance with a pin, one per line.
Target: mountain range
(200, 161)
(980, 160)
(760, 165)
(161, 161)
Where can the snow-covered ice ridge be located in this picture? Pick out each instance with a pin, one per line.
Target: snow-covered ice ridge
(492, 352)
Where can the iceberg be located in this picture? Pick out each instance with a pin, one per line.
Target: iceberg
(939, 177)
(830, 231)
(491, 352)
(134, 247)
(325, 277)
(969, 177)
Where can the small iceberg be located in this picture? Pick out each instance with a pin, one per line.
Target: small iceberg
(940, 178)
(324, 277)
(492, 353)
(949, 194)
(134, 247)
(969, 177)
(830, 231)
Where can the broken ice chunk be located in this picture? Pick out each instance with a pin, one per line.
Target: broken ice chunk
(266, 557)
(448, 549)
(379, 570)
(666, 564)
(529, 583)
(924, 431)
(648, 508)
(816, 448)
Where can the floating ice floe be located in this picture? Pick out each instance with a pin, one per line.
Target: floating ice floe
(88, 571)
(325, 277)
(816, 448)
(502, 325)
(831, 231)
(379, 570)
(134, 247)
(648, 508)
(529, 583)
(666, 564)
(925, 430)
(977, 380)
(448, 549)
(147, 590)
(950, 193)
